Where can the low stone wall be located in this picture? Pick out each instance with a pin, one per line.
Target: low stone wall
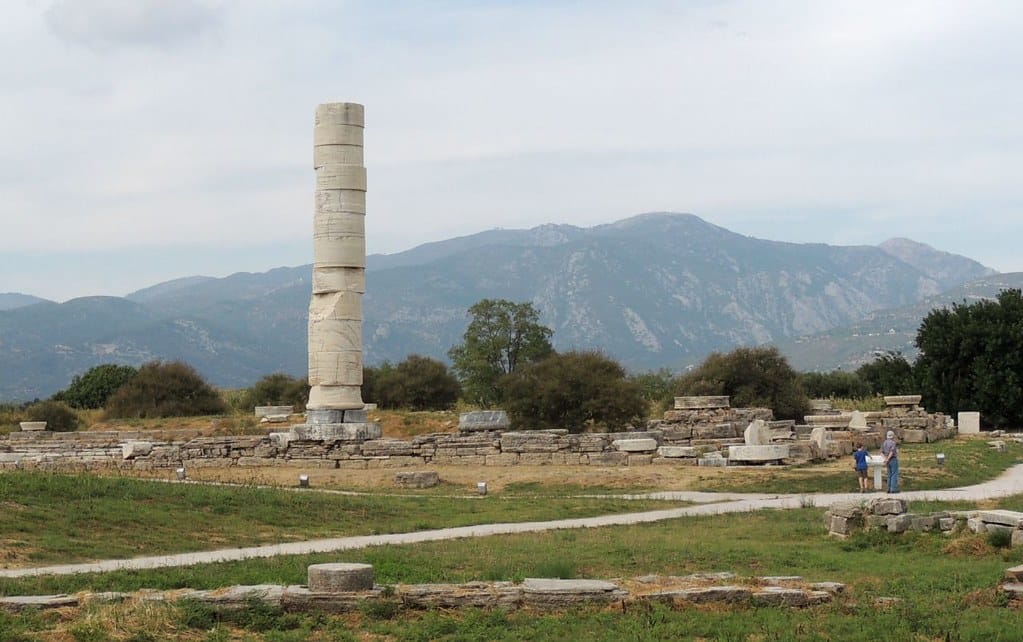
(540, 594)
(132, 450)
(892, 514)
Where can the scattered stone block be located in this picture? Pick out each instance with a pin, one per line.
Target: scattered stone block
(946, 523)
(556, 593)
(266, 411)
(635, 445)
(483, 421)
(1014, 574)
(998, 445)
(757, 433)
(678, 451)
(700, 403)
(902, 400)
(32, 426)
(780, 596)
(887, 506)
(834, 588)
(713, 460)
(1010, 518)
(969, 423)
(417, 479)
(899, 523)
(480, 595)
(858, 421)
(715, 594)
(340, 577)
(1013, 590)
(21, 602)
(133, 449)
(758, 454)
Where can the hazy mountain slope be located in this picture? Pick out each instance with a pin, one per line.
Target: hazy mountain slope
(653, 290)
(12, 300)
(947, 269)
(850, 346)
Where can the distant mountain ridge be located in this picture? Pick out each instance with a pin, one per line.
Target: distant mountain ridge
(12, 300)
(654, 290)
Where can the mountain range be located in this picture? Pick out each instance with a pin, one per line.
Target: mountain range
(655, 290)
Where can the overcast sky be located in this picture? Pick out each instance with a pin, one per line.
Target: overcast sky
(146, 140)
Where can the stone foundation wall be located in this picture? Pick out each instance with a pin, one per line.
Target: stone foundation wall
(133, 450)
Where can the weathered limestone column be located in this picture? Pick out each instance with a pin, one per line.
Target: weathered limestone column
(339, 265)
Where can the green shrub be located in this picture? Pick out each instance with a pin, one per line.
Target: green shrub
(92, 388)
(1000, 538)
(837, 383)
(889, 374)
(751, 377)
(417, 383)
(172, 389)
(59, 417)
(573, 390)
(278, 389)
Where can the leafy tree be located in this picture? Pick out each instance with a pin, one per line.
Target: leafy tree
(837, 383)
(971, 358)
(92, 388)
(501, 337)
(417, 383)
(889, 374)
(59, 417)
(656, 386)
(573, 390)
(751, 377)
(172, 389)
(371, 377)
(278, 389)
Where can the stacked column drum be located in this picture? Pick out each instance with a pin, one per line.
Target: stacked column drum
(339, 259)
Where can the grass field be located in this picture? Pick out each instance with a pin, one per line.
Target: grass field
(947, 585)
(56, 518)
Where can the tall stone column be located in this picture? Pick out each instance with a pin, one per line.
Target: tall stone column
(339, 266)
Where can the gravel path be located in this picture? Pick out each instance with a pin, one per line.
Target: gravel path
(1009, 483)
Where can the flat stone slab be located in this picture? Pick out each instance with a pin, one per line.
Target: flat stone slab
(548, 585)
(133, 449)
(483, 420)
(1015, 573)
(758, 453)
(264, 411)
(701, 403)
(32, 426)
(902, 400)
(635, 445)
(22, 602)
(336, 432)
(678, 451)
(1008, 518)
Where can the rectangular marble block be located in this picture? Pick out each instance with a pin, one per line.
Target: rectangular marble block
(336, 432)
(969, 423)
(700, 403)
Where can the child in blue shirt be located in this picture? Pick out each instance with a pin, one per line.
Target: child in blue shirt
(860, 455)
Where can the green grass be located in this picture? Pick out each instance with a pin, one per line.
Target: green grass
(946, 595)
(967, 462)
(56, 518)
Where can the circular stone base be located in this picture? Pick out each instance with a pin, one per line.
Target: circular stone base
(340, 578)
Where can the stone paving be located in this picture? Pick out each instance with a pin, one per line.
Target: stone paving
(1009, 483)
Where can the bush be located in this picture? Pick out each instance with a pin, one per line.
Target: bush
(889, 374)
(573, 390)
(278, 389)
(751, 377)
(417, 383)
(172, 389)
(92, 388)
(825, 385)
(59, 417)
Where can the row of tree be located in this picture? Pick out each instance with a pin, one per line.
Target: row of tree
(971, 359)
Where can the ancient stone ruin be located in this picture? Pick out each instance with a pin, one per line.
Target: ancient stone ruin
(344, 588)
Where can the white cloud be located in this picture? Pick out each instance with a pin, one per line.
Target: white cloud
(150, 123)
(109, 24)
